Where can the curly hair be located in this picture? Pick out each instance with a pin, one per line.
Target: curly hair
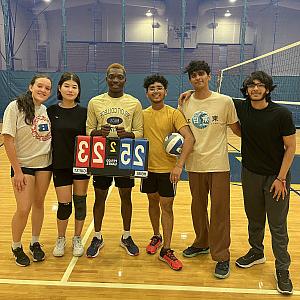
(65, 77)
(25, 101)
(197, 65)
(155, 78)
(261, 76)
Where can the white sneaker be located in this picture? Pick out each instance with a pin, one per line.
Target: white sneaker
(59, 249)
(78, 249)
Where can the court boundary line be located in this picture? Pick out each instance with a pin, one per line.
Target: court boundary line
(138, 286)
(74, 259)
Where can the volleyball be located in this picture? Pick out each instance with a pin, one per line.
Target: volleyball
(173, 143)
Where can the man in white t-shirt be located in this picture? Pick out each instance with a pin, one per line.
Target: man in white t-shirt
(208, 114)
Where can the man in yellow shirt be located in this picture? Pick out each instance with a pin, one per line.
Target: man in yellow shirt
(114, 114)
(164, 169)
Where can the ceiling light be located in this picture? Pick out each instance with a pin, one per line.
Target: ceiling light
(227, 13)
(232, 1)
(149, 13)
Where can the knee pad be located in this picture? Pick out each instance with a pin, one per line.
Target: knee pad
(80, 207)
(64, 210)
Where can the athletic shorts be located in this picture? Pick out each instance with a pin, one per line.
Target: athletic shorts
(158, 183)
(104, 182)
(30, 171)
(63, 177)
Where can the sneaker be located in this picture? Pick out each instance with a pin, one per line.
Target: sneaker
(94, 248)
(129, 245)
(250, 259)
(222, 269)
(59, 249)
(169, 257)
(78, 249)
(21, 258)
(36, 251)
(194, 251)
(154, 244)
(284, 283)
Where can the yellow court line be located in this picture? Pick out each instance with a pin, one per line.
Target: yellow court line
(136, 286)
(74, 260)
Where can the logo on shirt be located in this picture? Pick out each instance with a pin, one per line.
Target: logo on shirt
(40, 128)
(200, 119)
(114, 120)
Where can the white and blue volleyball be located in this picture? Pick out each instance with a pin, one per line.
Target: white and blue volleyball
(173, 143)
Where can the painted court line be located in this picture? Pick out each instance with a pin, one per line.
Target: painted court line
(74, 260)
(129, 286)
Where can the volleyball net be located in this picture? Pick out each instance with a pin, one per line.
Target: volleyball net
(282, 64)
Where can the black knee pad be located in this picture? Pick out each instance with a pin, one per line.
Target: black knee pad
(80, 207)
(64, 211)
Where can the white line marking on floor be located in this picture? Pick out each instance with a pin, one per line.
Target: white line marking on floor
(74, 260)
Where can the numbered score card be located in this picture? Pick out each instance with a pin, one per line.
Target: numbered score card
(98, 155)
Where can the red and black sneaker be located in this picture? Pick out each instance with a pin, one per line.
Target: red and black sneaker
(167, 255)
(154, 244)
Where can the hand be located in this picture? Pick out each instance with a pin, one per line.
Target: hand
(175, 174)
(19, 181)
(184, 97)
(279, 188)
(105, 130)
(122, 133)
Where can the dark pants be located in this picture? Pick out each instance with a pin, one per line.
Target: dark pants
(259, 203)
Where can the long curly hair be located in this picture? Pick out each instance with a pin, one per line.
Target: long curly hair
(25, 101)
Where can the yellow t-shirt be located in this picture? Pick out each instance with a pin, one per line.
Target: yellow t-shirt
(125, 111)
(157, 125)
(208, 119)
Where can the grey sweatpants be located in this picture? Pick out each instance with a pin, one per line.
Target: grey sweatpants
(259, 203)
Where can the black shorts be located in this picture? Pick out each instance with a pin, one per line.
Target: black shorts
(104, 182)
(30, 171)
(63, 177)
(158, 183)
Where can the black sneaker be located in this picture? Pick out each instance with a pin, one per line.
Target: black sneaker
(36, 251)
(250, 259)
(21, 258)
(129, 245)
(194, 251)
(284, 283)
(94, 248)
(222, 269)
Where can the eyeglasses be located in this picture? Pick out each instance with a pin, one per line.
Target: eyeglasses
(258, 85)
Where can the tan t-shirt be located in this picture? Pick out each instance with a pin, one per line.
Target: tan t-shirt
(32, 142)
(208, 119)
(125, 111)
(157, 125)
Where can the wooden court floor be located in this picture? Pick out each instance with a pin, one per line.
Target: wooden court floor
(114, 274)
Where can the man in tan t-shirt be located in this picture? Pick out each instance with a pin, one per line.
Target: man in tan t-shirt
(208, 114)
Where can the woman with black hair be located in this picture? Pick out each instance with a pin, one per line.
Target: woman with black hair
(68, 120)
(27, 141)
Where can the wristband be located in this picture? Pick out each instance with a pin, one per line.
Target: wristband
(281, 180)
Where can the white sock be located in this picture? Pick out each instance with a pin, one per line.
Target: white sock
(16, 245)
(126, 234)
(98, 235)
(34, 239)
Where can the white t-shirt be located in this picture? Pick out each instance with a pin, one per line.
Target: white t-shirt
(208, 119)
(32, 142)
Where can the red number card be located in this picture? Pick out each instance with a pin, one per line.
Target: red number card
(98, 152)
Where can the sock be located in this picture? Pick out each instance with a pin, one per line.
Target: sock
(34, 239)
(126, 234)
(16, 245)
(98, 235)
